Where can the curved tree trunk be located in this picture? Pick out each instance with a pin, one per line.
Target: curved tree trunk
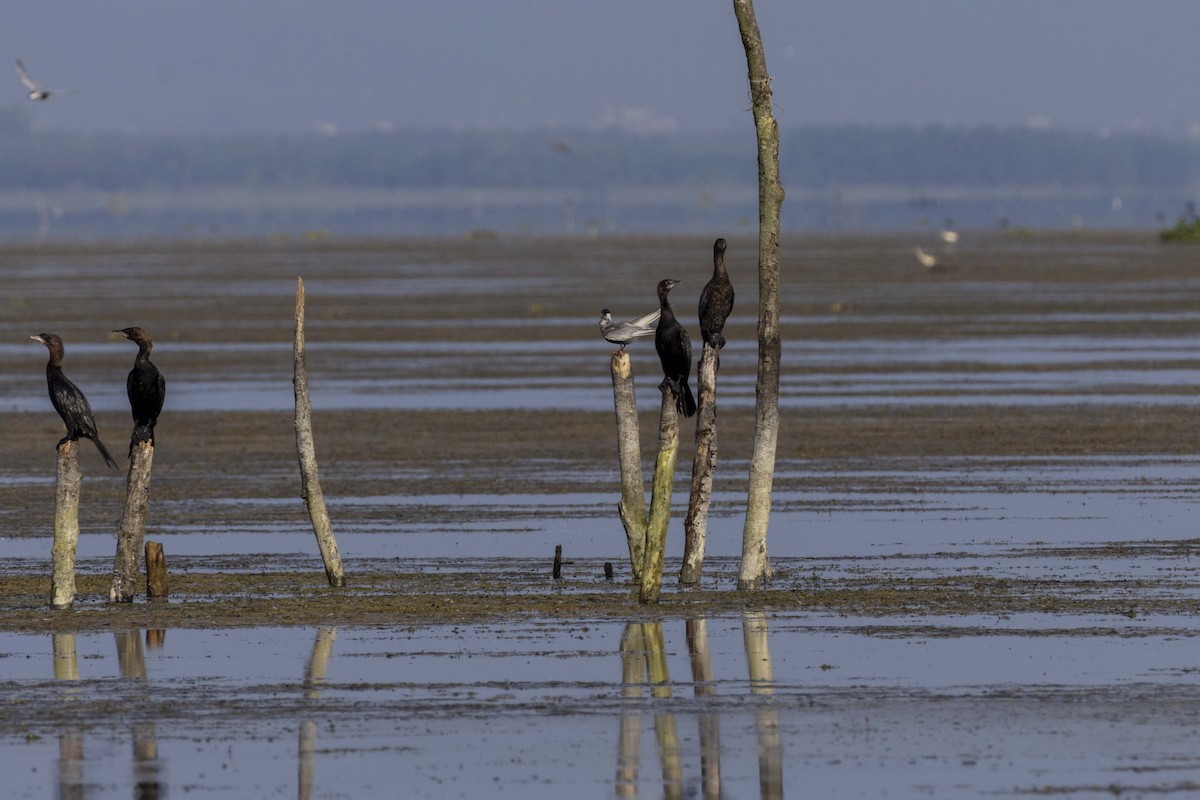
(755, 569)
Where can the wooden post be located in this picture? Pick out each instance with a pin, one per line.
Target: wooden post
(132, 534)
(660, 500)
(66, 525)
(755, 568)
(632, 508)
(156, 573)
(557, 572)
(310, 484)
(695, 525)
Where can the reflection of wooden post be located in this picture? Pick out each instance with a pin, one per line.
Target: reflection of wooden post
(132, 534)
(710, 722)
(632, 508)
(314, 676)
(156, 572)
(695, 525)
(665, 729)
(145, 762)
(66, 525)
(660, 500)
(633, 675)
(310, 484)
(66, 662)
(70, 744)
(131, 658)
(766, 715)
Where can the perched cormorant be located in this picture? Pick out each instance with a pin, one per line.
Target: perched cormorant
(146, 387)
(716, 301)
(674, 351)
(68, 401)
(623, 333)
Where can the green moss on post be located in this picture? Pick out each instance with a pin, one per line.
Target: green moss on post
(660, 500)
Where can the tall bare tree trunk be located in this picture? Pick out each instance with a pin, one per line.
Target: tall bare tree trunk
(632, 508)
(314, 498)
(66, 525)
(756, 569)
(695, 524)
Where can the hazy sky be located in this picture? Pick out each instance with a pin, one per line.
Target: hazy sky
(219, 66)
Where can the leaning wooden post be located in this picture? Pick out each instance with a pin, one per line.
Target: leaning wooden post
(695, 525)
(132, 534)
(632, 508)
(310, 484)
(66, 525)
(660, 500)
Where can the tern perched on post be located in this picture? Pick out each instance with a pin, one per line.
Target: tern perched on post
(623, 333)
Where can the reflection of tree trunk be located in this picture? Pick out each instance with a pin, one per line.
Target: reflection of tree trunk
(131, 659)
(755, 569)
(633, 676)
(710, 722)
(665, 729)
(70, 745)
(314, 675)
(145, 762)
(766, 715)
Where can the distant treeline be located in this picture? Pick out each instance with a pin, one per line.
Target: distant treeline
(816, 158)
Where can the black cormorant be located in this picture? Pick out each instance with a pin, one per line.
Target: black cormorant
(674, 351)
(623, 333)
(146, 387)
(716, 301)
(68, 401)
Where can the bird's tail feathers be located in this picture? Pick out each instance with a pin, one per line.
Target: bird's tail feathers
(108, 459)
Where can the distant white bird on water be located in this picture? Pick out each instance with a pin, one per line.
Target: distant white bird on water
(927, 261)
(949, 236)
(623, 333)
(36, 92)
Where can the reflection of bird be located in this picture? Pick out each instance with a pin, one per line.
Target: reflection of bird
(146, 387)
(36, 92)
(927, 261)
(623, 333)
(674, 351)
(68, 401)
(716, 301)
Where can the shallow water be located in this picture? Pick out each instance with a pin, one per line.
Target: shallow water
(1085, 704)
(761, 706)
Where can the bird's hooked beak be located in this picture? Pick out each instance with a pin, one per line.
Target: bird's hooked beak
(123, 333)
(38, 339)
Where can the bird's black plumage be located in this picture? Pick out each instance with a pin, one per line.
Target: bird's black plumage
(146, 387)
(68, 401)
(674, 351)
(716, 301)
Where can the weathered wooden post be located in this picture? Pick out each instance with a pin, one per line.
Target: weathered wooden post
(695, 525)
(660, 499)
(632, 508)
(310, 484)
(132, 534)
(156, 574)
(66, 525)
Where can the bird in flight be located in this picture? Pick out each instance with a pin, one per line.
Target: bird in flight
(36, 92)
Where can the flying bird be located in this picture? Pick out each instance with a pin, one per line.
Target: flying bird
(146, 387)
(68, 401)
(623, 333)
(36, 92)
(716, 301)
(674, 351)
(927, 261)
